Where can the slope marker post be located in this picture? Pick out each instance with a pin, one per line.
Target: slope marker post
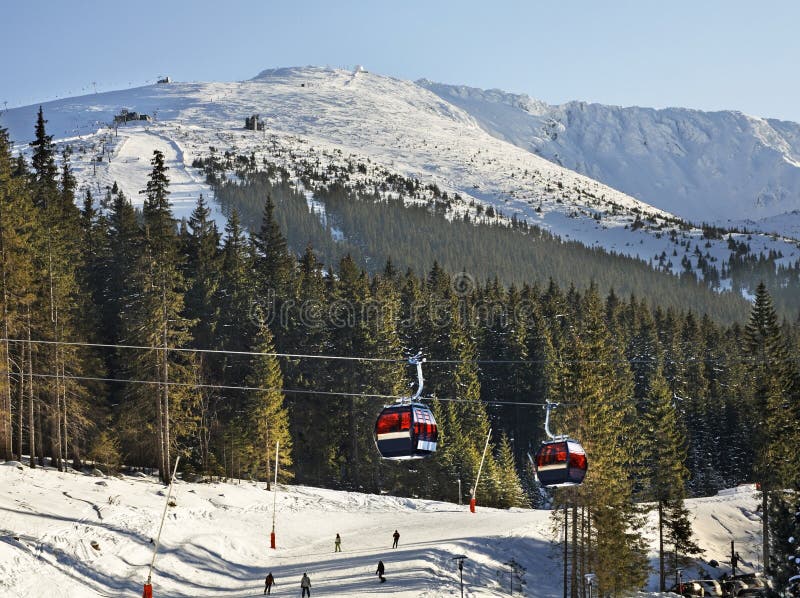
(477, 479)
(274, 497)
(148, 588)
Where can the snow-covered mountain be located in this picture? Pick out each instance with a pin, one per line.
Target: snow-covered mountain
(725, 168)
(321, 118)
(72, 534)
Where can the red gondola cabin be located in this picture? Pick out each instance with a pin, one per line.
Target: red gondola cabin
(561, 463)
(406, 431)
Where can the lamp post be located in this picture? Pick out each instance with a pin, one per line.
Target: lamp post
(591, 580)
(460, 558)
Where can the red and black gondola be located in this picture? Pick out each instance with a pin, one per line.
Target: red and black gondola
(561, 463)
(406, 431)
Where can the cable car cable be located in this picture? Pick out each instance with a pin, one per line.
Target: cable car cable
(263, 389)
(721, 361)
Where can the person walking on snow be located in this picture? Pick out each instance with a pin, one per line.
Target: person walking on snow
(305, 584)
(380, 571)
(337, 543)
(396, 536)
(268, 582)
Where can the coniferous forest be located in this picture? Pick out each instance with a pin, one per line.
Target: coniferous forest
(130, 338)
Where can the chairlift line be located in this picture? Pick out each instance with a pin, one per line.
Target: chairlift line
(263, 389)
(387, 359)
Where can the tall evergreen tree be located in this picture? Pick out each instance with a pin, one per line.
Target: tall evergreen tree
(156, 320)
(603, 419)
(776, 409)
(17, 222)
(265, 418)
(664, 456)
(202, 271)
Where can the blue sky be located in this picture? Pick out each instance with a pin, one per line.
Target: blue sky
(705, 54)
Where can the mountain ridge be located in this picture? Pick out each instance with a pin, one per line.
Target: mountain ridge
(724, 167)
(374, 128)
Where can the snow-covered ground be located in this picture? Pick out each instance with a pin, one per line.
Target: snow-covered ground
(327, 117)
(715, 167)
(73, 535)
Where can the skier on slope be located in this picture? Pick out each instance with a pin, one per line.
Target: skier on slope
(396, 536)
(268, 583)
(337, 544)
(305, 585)
(380, 571)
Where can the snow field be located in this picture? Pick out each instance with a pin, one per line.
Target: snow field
(216, 539)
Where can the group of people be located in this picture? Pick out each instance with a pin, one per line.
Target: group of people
(305, 581)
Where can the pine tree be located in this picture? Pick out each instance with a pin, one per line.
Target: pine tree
(603, 420)
(776, 409)
(664, 456)
(58, 257)
(202, 271)
(310, 414)
(18, 219)
(265, 418)
(274, 271)
(155, 319)
(508, 481)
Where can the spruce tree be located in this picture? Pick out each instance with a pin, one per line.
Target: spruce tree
(274, 271)
(265, 419)
(18, 219)
(155, 319)
(603, 420)
(664, 456)
(776, 409)
(202, 271)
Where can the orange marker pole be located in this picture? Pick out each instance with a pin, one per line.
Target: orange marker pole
(477, 479)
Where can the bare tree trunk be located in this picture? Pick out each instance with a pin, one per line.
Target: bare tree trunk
(56, 413)
(662, 582)
(65, 413)
(160, 416)
(566, 550)
(6, 429)
(574, 589)
(764, 527)
(21, 401)
(31, 418)
(166, 391)
(584, 555)
(40, 438)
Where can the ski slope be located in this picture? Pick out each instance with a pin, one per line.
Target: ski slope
(67, 535)
(325, 118)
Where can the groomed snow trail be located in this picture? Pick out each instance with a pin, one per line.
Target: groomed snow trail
(70, 535)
